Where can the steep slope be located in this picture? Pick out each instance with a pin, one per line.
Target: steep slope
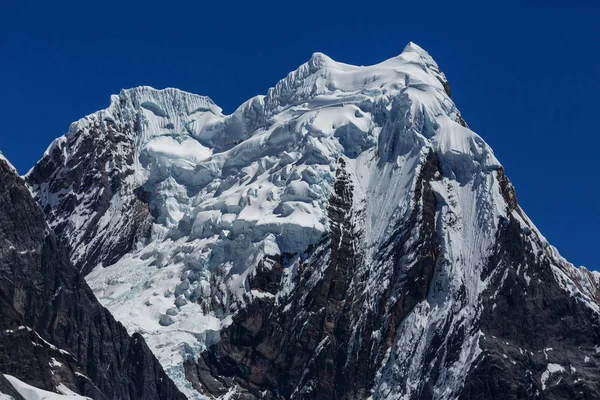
(345, 236)
(54, 334)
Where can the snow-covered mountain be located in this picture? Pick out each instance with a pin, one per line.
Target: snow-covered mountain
(344, 236)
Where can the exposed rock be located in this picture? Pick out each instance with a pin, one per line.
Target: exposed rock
(305, 349)
(54, 329)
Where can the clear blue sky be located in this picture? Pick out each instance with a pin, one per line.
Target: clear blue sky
(525, 74)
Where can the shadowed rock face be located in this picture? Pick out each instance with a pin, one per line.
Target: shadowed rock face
(53, 329)
(85, 179)
(532, 325)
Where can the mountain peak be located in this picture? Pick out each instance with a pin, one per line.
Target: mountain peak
(413, 47)
(319, 60)
(412, 50)
(322, 75)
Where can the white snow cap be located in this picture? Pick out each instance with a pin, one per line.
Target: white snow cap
(412, 47)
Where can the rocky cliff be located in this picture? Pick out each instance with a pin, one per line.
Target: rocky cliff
(54, 333)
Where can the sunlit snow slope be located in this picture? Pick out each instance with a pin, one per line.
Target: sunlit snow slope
(171, 208)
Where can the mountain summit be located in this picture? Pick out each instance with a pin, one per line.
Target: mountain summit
(344, 236)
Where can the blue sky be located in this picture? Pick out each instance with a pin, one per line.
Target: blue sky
(525, 74)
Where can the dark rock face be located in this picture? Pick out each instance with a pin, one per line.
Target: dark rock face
(89, 170)
(529, 326)
(43, 296)
(24, 354)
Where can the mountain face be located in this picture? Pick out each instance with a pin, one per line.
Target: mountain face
(344, 236)
(54, 334)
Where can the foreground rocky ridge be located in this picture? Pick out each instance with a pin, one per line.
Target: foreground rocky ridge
(53, 331)
(345, 236)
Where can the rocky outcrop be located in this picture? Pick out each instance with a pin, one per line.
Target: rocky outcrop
(53, 329)
(88, 175)
(281, 347)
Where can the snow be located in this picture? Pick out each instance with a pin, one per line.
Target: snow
(32, 393)
(551, 369)
(68, 392)
(261, 295)
(578, 282)
(54, 363)
(185, 149)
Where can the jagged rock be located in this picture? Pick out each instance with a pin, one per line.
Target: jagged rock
(53, 328)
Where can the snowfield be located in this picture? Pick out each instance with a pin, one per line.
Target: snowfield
(32, 393)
